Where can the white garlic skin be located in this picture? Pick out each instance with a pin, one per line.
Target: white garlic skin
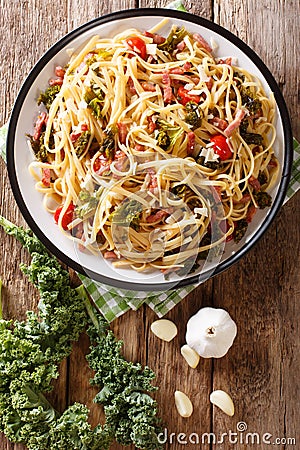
(211, 332)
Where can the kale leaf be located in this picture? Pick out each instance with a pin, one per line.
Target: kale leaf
(47, 97)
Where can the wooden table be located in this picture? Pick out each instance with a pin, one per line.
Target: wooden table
(261, 292)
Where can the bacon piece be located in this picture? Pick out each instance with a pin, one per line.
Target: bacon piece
(203, 43)
(187, 66)
(209, 83)
(59, 72)
(225, 61)
(40, 123)
(181, 46)
(219, 123)
(250, 213)
(254, 183)
(177, 71)
(245, 199)
(153, 179)
(166, 78)
(110, 255)
(240, 114)
(157, 38)
(131, 87)
(151, 124)
(74, 136)
(158, 216)
(168, 94)
(191, 143)
(139, 147)
(84, 127)
(56, 81)
(147, 86)
(46, 178)
(122, 127)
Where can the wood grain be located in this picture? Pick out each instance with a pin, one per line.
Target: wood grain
(261, 292)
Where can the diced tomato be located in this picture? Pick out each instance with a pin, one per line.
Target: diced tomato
(185, 96)
(101, 165)
(137, 45)
(221, 148)
(191, 143)
(67, 217)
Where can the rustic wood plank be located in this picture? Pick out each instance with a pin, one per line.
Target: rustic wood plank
(259, 291)
(261, 368)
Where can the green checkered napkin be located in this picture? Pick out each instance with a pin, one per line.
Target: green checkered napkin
(113, 302)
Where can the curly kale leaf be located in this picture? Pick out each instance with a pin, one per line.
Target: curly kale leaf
(175, 36)
(81, 143)
(47, 97)
(194, 114)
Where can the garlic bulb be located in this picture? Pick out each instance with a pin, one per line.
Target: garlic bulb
(211, 332)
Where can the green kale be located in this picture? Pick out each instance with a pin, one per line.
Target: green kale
(39, 148)
(194, 114)
(240, 230)
(109, 145)
(250, 100)
(127, 214)
(48, 96)
(94, 97)
(175, 36)
(87, 203)
(163, 140)
(263, 199)
(250, 138)
(262, 178)
(168, 134)
(179, 190)
(213, 165)
(31, 350)
(81, 143)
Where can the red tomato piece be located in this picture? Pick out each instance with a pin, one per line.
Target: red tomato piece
(186, 97)
(221, 148)
(67, 217)
(138, 45)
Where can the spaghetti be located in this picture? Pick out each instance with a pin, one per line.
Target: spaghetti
(152, 150)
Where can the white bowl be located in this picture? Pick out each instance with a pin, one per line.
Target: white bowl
(26, 109)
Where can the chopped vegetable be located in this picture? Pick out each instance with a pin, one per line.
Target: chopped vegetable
(175, 36)
(138, 46)
(127, 214)
(47, 97)
(250, 138)
(263, 199)
(81, 143)
(168, 133)
(194, 114)
(67, 217)
(94, 97)
(221, 148)
(185, 97)
(87, 203)
(249, 100)
(31, 351)
(240, 230)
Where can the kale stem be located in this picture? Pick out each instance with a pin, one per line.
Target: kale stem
(81, 291)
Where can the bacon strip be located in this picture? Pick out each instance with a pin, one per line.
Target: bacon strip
(203, 43)
(168, 93)
(122, 127)
(219, 123)
(41, 121)
(191, 143)
(240, 114)
(158, 216)
(46, 179)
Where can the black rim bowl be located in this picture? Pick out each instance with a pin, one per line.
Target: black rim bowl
(288, 150)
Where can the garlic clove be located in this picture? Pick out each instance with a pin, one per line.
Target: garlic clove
(164, 329)
(183, 404)
(223, 401)
(191, 357)
(211, 332)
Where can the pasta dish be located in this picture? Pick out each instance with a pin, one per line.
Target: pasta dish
(153, 151)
